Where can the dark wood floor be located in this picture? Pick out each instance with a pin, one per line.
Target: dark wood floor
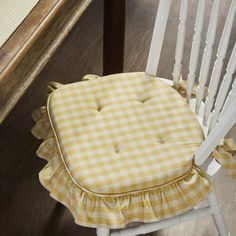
(26, 208)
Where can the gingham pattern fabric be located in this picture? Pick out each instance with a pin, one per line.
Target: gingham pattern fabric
(124, 150)
(225, 153)
(113, 132)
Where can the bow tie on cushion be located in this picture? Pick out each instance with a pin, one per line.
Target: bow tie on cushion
(224, 154)
(181, 88)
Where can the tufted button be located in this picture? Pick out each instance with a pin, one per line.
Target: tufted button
(144, 100)
(161, 140)
(99, 106)
(116, 148)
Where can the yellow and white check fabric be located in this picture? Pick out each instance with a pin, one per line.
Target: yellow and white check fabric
(224, 154)
(120, 149)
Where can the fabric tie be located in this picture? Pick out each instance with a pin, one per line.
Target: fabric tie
(52, 86)
(224, 153)
(181, 88)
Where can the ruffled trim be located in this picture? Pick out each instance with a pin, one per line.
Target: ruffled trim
(110, 211)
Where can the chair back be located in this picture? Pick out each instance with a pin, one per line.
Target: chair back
(217, 106)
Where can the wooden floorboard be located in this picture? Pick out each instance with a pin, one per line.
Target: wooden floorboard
(26, 208)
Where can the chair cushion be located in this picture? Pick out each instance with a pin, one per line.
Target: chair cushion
(124, 135)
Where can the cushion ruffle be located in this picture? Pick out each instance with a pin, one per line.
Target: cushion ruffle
(113, 211)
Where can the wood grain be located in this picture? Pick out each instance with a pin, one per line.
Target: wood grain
(26, 208)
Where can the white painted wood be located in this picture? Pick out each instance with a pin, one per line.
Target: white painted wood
(224, 88)
(213, 167)
(158, 36)
(103, 232)
(223, 126)
(217, 214)
(199, 116)
(206, 59)
(180, 41)
(230, 98)
(215, 76)
(195, 48)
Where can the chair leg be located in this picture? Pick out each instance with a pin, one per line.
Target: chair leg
(218, 215)
(103, 232)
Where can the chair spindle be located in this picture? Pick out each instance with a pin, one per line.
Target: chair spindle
(195, 48)
(158, 36)
(180, 41)
(230, 99)
(224, 88)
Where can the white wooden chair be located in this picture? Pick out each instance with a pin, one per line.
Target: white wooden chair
(120, 148)
(216, 114)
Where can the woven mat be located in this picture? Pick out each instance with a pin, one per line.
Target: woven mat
(12, 13)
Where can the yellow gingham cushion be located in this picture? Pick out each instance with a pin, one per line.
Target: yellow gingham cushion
(121, 150)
